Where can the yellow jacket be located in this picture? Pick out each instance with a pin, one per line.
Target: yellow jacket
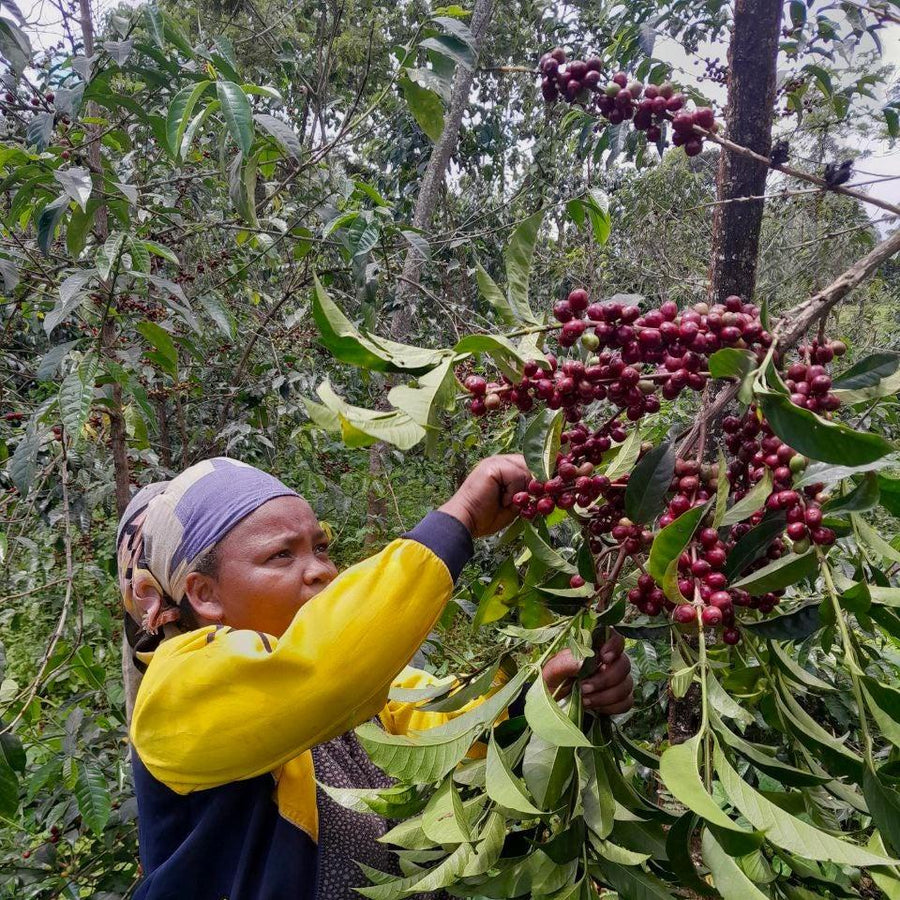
(218, 705)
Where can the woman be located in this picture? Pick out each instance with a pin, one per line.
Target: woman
(260, 660)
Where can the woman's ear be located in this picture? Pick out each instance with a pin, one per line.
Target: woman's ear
(201, 593)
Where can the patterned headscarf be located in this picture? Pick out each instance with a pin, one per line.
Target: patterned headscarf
(170, 526)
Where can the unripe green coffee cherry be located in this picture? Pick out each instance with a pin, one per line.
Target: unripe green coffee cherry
(798, 463)
(590, 341)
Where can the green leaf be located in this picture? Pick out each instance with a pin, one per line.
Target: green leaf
(414, 760)
(884, 704)
(492, 293)
(242, 187)
(50, 216)
(540, 443)
(237, 113)
(814, 437)
(444, 820)
(499, 596)
(348, 345)
(795, 672)
(22, 466)
(863, 496)
(9, 789)
(180, 110)
(596, 795)
(750, 502)
(452, 48)
(489, 846)
(426, 107)
(730, 362)
(548, 721)
(754, 544)
(434, 392)
(476, 687)
(884, 806)
(679, 847)
(678, 769)
(441, 876)
(153, 19)
(76, 394)
(763, 759)
(544, 553)
(626, 455)
(281, 132)
(596, 204)
(162, 341)
(631, 883)
(518, 256)
(730, 881)
(503, 787)
(868, 372)
(52, 359)
(71, 296)
(108, 255)
(670, 541)
(547, 770)
(92, 796)
(15, 47)
(361, 427)
(39, 131)
(787, 831)
(397, 802)
(77, 184)
(826, 474)
(797, 625)
(780, 573)
(874, 540)
(649, 483)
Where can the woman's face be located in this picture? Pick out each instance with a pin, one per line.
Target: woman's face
(270, 564)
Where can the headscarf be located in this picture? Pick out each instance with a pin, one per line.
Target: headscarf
(170, 526)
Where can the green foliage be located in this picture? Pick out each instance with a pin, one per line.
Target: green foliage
(203, 228)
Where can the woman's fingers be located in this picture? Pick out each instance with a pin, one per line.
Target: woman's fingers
(613, 700)
(607, 676)
(613, 648)
(558, 670)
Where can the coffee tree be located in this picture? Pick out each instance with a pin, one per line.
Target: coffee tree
(181, 208)
(750, 535)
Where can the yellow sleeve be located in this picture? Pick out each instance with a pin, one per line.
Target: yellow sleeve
(218, 705)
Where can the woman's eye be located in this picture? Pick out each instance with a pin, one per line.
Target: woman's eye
(281, 554)
(322, 548)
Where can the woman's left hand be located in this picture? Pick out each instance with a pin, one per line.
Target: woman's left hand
(609, 691)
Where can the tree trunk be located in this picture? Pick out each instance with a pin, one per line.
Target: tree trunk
(426, 203)
(752, 57)
(433, 180)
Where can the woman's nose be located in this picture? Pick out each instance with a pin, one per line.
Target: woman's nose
(319, 572)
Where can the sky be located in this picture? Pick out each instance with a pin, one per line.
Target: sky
(882, 160)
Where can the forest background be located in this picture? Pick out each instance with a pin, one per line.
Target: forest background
(160, 238)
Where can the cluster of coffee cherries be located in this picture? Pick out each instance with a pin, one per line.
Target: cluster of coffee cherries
(622, 99)
(809, 381)
(756, 449)
(634, 360)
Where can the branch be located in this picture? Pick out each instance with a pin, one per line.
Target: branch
(792, 325)
(796, 173)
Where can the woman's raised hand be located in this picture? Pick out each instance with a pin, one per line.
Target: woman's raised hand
(483, 503)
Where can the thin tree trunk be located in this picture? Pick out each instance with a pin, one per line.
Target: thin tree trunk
(433, 180)
(752, 58)
(423, 213)
(131, 679)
